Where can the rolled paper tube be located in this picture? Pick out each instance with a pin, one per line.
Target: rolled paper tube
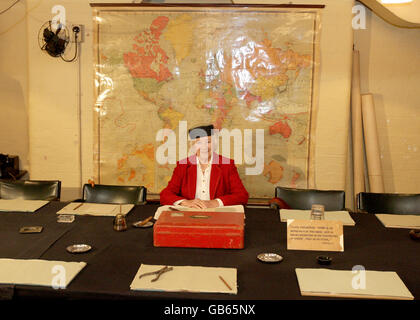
(357, 130)
(372, 144)
(376, 183)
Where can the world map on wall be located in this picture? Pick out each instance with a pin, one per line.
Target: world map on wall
(235, 69)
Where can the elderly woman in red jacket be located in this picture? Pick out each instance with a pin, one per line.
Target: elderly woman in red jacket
(205, 179)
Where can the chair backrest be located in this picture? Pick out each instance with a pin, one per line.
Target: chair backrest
(397, 203)
(30, 190)
(303, 199)
(101, 193)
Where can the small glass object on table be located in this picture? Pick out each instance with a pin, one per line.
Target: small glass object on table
(119, 223)
(317, 212)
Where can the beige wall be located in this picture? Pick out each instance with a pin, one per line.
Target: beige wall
(54, 103)
(390, 70)
(14, 84)
(53, 100)
(48, 88)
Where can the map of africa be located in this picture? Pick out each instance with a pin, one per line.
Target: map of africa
(233, 68)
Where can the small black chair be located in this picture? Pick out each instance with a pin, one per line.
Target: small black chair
(303, 199)
(101, 193)
(30, 190)
(397, 203)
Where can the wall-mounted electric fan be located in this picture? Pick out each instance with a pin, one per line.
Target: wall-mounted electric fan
(54, 38)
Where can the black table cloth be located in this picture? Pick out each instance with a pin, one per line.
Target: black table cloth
(116, 256)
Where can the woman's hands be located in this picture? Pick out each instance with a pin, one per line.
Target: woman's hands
(199, 204)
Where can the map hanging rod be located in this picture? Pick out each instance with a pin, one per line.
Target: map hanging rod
(285, 5)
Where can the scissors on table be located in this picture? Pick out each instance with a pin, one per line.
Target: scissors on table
(158, 273)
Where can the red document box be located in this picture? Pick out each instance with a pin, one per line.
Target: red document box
(198, 229)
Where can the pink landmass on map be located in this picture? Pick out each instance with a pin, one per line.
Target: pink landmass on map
(148, 52)
(282, 128)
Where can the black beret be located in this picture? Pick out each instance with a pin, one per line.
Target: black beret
(202, 131)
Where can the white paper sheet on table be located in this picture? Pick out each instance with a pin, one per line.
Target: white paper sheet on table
(20, 205)
(187, 278)
(342, 216)
(238, 208)
(39, 272)
(96, 209)
(346, 284)
(407, 221)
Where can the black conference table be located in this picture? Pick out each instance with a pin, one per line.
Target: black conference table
(116, 256)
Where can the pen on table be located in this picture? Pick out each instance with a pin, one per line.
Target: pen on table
(77, 207)
(225, 283)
